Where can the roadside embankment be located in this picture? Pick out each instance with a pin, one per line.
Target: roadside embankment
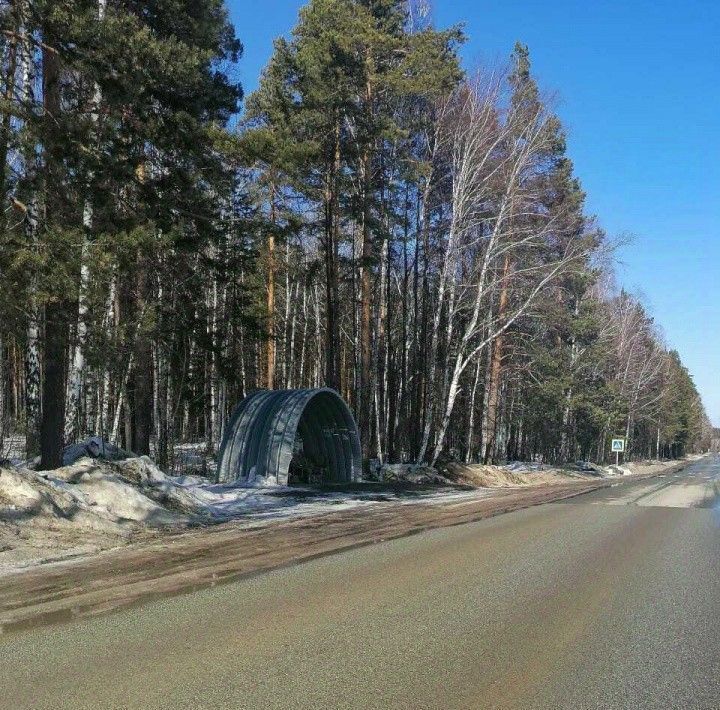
(519, 474)
(177, 560)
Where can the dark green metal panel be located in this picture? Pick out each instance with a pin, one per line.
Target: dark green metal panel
(260, 436)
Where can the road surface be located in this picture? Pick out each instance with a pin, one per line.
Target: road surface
(607, 600)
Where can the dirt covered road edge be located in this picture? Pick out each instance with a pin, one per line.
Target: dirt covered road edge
(183, 562)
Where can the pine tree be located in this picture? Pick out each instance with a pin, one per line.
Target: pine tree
(334, 111)
(147, 153)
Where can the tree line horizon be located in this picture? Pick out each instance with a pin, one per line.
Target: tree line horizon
(372, 218)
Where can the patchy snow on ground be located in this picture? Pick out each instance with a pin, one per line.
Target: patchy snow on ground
(94, 504)
(227, 501)
(525, 466)
(105, 497)
(407, 473)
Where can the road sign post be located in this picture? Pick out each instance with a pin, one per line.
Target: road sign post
(618, 446)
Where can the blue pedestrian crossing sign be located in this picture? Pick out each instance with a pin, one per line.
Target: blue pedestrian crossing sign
(618, 446)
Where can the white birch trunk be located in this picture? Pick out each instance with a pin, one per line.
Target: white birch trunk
(33, 371)
(287, 363)
(319, 361)
(290, 381)
(213, 439)
(74, 427)
(303, 341)
(471, 422)
(76, 375)
(108, 325)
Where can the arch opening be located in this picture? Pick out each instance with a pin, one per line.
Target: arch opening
(278, 437)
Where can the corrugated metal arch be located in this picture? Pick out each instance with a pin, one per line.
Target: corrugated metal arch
(260, 436)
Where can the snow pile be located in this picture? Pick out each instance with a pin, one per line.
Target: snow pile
(408, 473)
(104, 487)
(28, 499)
(486, 476)
(537, 467)
(136, 489)
(46, 516)
(521, 473)
(86, 494)
(525, 466)
(617, 470)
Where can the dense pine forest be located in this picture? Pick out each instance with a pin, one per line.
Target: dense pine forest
(374, 218)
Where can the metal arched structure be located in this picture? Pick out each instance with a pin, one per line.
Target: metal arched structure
(260, 438)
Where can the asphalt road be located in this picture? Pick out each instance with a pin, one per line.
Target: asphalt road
(610, 600)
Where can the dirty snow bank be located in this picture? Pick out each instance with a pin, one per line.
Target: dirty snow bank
(512, 476)
(649, 466)
(28, 497)
(521, 473)
(88, 506)
(93, 504)
(407, 473)
(42, 520)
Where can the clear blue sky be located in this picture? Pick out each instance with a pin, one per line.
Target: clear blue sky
(638, 84)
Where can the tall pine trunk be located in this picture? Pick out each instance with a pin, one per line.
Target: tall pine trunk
(332, 236)
(32, 364)
(271, 335)
(365, 312)
(142, 392)
(56, 310)
(9, 93)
